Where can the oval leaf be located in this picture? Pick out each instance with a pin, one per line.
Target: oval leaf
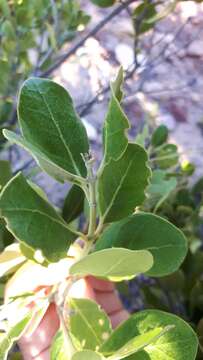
(178, 344)
(140, 342)
(147, 231)
(42, 160)
(49, 122)
(33, 221)
(159, 136)
(122, 184)
(88, 324)
(114, 264)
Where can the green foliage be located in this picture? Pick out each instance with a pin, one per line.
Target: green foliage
(150, 232)
(114, 264)
(138, 243)
(116, 124)
(32, 32)
(73, 204)
(130, 172)
(171, 345)
(104, 3)
(172, 197)
(33, 221)
(159, 136)
(85, 312)
(59, 349)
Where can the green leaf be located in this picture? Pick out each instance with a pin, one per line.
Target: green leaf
(145, 11)
(49, 122)
(178, 344)
(87, 355)
(114, 264)
(116, 124)
(33, 221)
(59, 347)
(89, 325)
(6, 238)
(147, 231)
(167, 156)
(5, 172)
(159, 136)
(140, 342)
(42, 160)
(103, 3)
(7, 340)
(160, 188)
(122, 184)
(73, 204)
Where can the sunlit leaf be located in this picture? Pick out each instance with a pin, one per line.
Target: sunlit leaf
(139, 342)
(87, 355)
(89, 325)
(114, 264)
(180, 343)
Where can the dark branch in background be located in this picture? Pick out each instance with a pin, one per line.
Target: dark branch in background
(116, 11)
(91, 33)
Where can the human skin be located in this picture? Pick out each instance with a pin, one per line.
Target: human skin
(37, 346)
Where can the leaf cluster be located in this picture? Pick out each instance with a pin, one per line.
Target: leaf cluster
(119, 242)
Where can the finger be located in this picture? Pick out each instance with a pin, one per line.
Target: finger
(109, 301)
(82, 289)
(99, 284)
(42, 337)
(119, 317)
(45, 355)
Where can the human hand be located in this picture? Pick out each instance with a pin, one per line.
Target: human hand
(37, 346)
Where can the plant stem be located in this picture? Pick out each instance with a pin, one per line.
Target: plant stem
(68, 342)
(92, 200)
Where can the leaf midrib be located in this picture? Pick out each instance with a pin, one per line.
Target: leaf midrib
(117, 189)
(86, 322)
(59, 131)
(38, 212)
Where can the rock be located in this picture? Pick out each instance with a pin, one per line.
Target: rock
(166, 119)
(152, 87)
(196, 49)
(178, 112)
(91, 131)
(124, 55)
